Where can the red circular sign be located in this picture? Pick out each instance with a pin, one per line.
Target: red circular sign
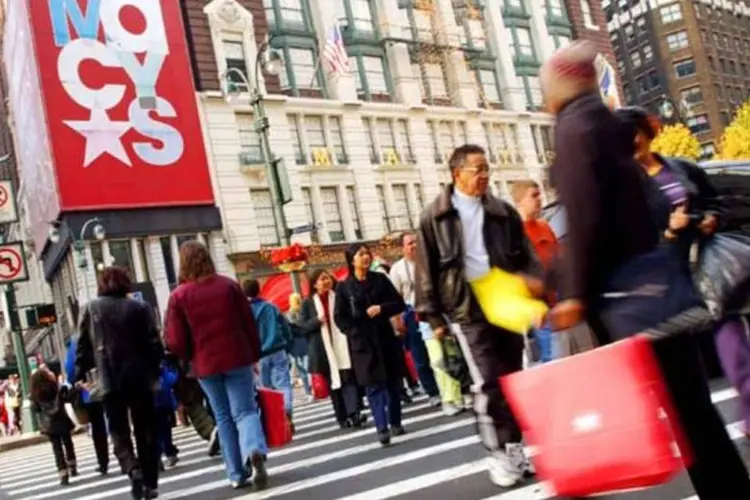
(11, 264)
(3, 196)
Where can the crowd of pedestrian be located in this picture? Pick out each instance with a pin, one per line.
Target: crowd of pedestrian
(384, 333)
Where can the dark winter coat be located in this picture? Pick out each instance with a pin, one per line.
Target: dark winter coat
(376, 353)
(309, 325)
(53, 419)
(120, 340)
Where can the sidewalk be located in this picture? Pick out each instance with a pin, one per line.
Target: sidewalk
(29, 439)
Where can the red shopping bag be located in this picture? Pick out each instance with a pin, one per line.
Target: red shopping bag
(601, 421)
(411, 366)
(276, 424)
(319, 386)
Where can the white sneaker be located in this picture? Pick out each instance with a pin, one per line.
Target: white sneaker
(502, 471)
(451, 410)
(469, 402)
(517, 455)
(434, 401)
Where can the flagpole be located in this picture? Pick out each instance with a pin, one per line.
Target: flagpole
(317, 63)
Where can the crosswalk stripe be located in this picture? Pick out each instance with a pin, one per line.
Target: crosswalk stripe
(438, 456)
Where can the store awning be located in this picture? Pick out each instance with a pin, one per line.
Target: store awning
(277, 289)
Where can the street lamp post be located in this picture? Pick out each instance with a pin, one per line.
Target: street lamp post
(275, 170)
(79, 244)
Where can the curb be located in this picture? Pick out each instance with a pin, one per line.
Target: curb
(31, 440)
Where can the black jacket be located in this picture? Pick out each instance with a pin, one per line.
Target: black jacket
(376, 353)
(53, 419)
(604, 192)
(119, 339)
(440, 283)
(309, 324)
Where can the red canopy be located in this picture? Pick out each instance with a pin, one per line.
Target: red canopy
(278, 288)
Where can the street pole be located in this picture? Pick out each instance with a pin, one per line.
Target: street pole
(272, 172)
(29, 423)
(272, 163)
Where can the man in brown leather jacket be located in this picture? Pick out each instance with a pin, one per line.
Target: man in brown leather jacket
(462, 235)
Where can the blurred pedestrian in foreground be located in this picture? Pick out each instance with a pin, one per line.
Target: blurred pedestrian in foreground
(210, 325)
(117, 362)
(613, 212)
(454, 248)
(48, 402)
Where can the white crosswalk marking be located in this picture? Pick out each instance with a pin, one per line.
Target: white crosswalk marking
(439, 457)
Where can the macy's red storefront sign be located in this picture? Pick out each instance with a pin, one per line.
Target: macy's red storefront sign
(120, 104)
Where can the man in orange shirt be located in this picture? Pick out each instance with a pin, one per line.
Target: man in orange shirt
(527, 197)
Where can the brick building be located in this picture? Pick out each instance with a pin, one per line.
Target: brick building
(691, 57)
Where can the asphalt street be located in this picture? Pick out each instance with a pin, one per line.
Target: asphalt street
(439, 458)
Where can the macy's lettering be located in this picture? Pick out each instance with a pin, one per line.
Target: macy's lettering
(104, 136)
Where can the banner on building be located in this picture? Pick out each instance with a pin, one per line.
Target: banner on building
(122, 117)
(607, 82)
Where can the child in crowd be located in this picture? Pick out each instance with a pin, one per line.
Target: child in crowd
(48, 401)
(527, 197)
(166, 405)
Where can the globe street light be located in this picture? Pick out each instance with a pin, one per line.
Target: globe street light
(273, 64)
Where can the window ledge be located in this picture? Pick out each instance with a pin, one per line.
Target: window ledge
(591, 27)
(400, 167)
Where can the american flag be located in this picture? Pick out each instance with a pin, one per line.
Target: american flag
(334, 51)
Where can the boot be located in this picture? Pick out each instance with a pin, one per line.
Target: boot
(150, 493)
(136, 484)
(64, 477)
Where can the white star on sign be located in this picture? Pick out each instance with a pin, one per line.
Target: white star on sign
(102, 136)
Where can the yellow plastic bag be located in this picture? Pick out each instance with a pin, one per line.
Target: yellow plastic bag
(507, 302)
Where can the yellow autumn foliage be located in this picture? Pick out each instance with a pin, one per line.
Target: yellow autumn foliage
(676, 140)
(735, 141)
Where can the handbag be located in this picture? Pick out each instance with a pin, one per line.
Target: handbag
(276, 424)
(601, 421)
(648, 292)
(723, 272)
(319, 386)
(454, 363)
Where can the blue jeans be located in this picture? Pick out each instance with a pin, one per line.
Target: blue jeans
(233, 399)
(301, 364)
(275, 373)
(385, 404)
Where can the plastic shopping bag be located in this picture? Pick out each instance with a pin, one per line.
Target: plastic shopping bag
(591, 439)
(507, 302)
(723, 272)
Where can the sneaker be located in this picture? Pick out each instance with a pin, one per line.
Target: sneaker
(469, 402)
(213, 443)
(451, 410)
(434, 401)
(398, 430)
(384, 437)
(309, 398)
(502, 471)
(520, 460)
(172, 461)
(260, 474)
(238, 485)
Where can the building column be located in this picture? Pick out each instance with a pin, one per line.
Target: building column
(158, 272)
(219, 255)
(405, 83)
(514, 98)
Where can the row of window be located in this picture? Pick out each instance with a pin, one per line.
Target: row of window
(318, 140)
(369, 63)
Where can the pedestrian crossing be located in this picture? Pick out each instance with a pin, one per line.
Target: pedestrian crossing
(439, 457)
